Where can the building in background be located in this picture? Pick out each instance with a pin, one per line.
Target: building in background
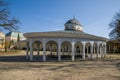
(2, 40)
(113, 46)
(13, 39)
(13, 36)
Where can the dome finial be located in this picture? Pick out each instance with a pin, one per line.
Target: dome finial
(73, 17)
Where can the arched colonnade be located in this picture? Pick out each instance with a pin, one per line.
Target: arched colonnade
(73, 47)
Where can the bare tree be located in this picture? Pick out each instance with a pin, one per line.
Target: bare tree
(115, 26)
(115, 32)
(7, 22)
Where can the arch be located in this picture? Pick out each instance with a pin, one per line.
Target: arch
(52, 49)
(78, 49)
(66, 48)
(88, 49)
(48, 40)
(36, 44)
(37, 47)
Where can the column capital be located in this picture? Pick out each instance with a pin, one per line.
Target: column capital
(91, 43)
(59, 41)
(44, 40)
(73, 40)
(83, 43)
(30, 40)
(104, 43)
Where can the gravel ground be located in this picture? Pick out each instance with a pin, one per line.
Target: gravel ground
(13, 66)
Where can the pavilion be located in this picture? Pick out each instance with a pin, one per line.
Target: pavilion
(72, 41)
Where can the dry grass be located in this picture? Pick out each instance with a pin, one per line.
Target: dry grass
(102, 69)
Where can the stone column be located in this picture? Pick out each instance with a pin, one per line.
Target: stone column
(27, 50)
(94, 52)
(59, 49)
(31, 50)
(83, 56)
(73, 50)
(97, 50)
(91, 53)
(44, 49)
(105, 50)
(100, 51)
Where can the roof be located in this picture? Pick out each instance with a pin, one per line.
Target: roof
(65, 34)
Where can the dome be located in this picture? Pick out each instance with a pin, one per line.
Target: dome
(73, 21)
(73, 24)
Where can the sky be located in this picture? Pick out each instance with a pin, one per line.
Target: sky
(51, 15)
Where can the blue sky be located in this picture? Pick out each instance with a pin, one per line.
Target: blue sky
(50, 15)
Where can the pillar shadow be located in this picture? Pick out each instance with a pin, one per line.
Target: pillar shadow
(13, 59)
(49, 58)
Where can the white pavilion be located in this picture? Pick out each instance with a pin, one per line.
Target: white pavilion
(72, 41)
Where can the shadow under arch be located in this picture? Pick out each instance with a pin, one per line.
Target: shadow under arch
(87, 49)
(66, 50)
(100, 48)
(52, 50)
(78, 50)
(66, 47)
(37, 49)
